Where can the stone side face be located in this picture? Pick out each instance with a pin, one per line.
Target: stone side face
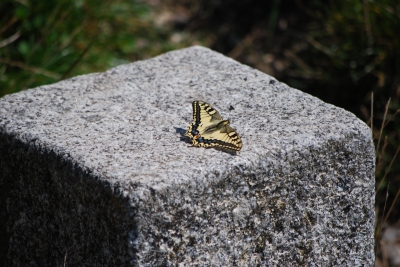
(95, 171)
(295, 209)
(57, 214)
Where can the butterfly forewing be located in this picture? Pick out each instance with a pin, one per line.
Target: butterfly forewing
(203, 112)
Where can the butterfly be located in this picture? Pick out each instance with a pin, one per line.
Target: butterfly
(208, 129)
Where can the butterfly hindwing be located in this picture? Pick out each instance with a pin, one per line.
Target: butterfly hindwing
(208, 129)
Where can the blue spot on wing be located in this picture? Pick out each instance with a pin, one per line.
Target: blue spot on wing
(207, 141)
(194, 129)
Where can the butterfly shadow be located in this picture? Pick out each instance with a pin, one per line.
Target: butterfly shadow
(182, 132)
(187, 140)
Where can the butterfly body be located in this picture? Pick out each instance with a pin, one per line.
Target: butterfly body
(208, 129)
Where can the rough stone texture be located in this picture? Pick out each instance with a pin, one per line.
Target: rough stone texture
(95, 172)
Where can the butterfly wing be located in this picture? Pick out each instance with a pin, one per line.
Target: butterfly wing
(220, 135)
(203, 115)
(209, 130)
(203, 112)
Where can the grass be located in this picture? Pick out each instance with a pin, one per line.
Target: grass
(44, 42)
(381, 172)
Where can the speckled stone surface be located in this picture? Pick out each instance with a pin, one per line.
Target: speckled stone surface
(95, 172)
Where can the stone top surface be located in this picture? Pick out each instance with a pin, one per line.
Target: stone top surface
(126, 124)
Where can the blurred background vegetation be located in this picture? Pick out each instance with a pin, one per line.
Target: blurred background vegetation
(345, 52)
